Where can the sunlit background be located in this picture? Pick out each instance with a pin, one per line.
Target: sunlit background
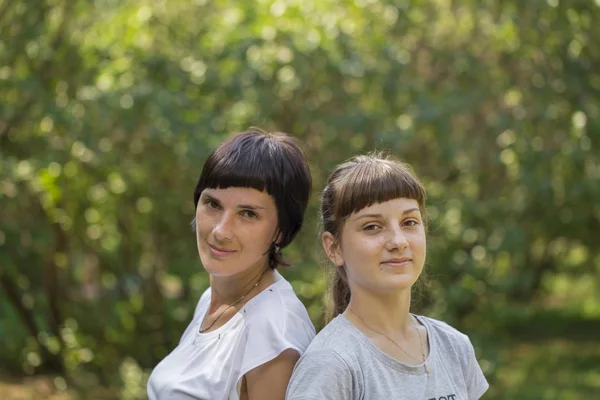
(108, 109)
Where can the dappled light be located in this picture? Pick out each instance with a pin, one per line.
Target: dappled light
(109, 109)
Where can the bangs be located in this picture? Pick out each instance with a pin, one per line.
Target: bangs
(374, 182)
(252, 162)
(240, 171)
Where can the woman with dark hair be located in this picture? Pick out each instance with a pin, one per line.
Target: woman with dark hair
(374, 232)
(249, 328)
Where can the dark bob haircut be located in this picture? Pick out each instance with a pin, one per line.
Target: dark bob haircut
(271, 162)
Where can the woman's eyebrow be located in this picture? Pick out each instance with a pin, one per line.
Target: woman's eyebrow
(405, 212)
(239, 206)
(409, 211)
(210, 197)
(250, 207)
(368, 216)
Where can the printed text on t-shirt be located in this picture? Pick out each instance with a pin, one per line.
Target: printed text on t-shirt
(447, 397)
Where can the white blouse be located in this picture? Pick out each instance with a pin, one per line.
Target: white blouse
(211, 365)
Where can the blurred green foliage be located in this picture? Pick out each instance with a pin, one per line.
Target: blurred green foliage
(109, 108)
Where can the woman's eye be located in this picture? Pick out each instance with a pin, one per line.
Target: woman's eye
(370, 227)
(211, 204)
(411, 222)
(249, 214)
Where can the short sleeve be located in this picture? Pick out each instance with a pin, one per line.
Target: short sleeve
(277, 326)
(477, 385)
(321, 375)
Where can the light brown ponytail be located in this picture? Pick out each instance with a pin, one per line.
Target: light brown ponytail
(340, 294)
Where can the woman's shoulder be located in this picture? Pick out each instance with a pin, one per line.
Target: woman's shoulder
(328, 368)
(278, 302)
(454, 346)
(274, 320)
(448, 340)
(279, 311)
(442, 329)
(338, 337)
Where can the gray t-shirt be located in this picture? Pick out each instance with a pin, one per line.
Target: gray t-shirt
(342, 363)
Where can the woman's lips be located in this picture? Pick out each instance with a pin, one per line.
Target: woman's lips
(219, 252)
(397, 262)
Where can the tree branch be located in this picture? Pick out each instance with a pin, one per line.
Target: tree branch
(51, 361)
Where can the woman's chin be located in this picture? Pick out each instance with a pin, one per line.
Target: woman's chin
(216, 268)
(400, 283)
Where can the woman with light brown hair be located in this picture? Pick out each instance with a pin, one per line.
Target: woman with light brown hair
(374, 233)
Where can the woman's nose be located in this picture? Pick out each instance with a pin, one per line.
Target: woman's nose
(223, 230)
(397, 239)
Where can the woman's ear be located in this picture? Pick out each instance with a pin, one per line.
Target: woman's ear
(332, 249)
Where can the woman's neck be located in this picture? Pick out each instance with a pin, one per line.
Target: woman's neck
(229, 289)
(385, 313)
